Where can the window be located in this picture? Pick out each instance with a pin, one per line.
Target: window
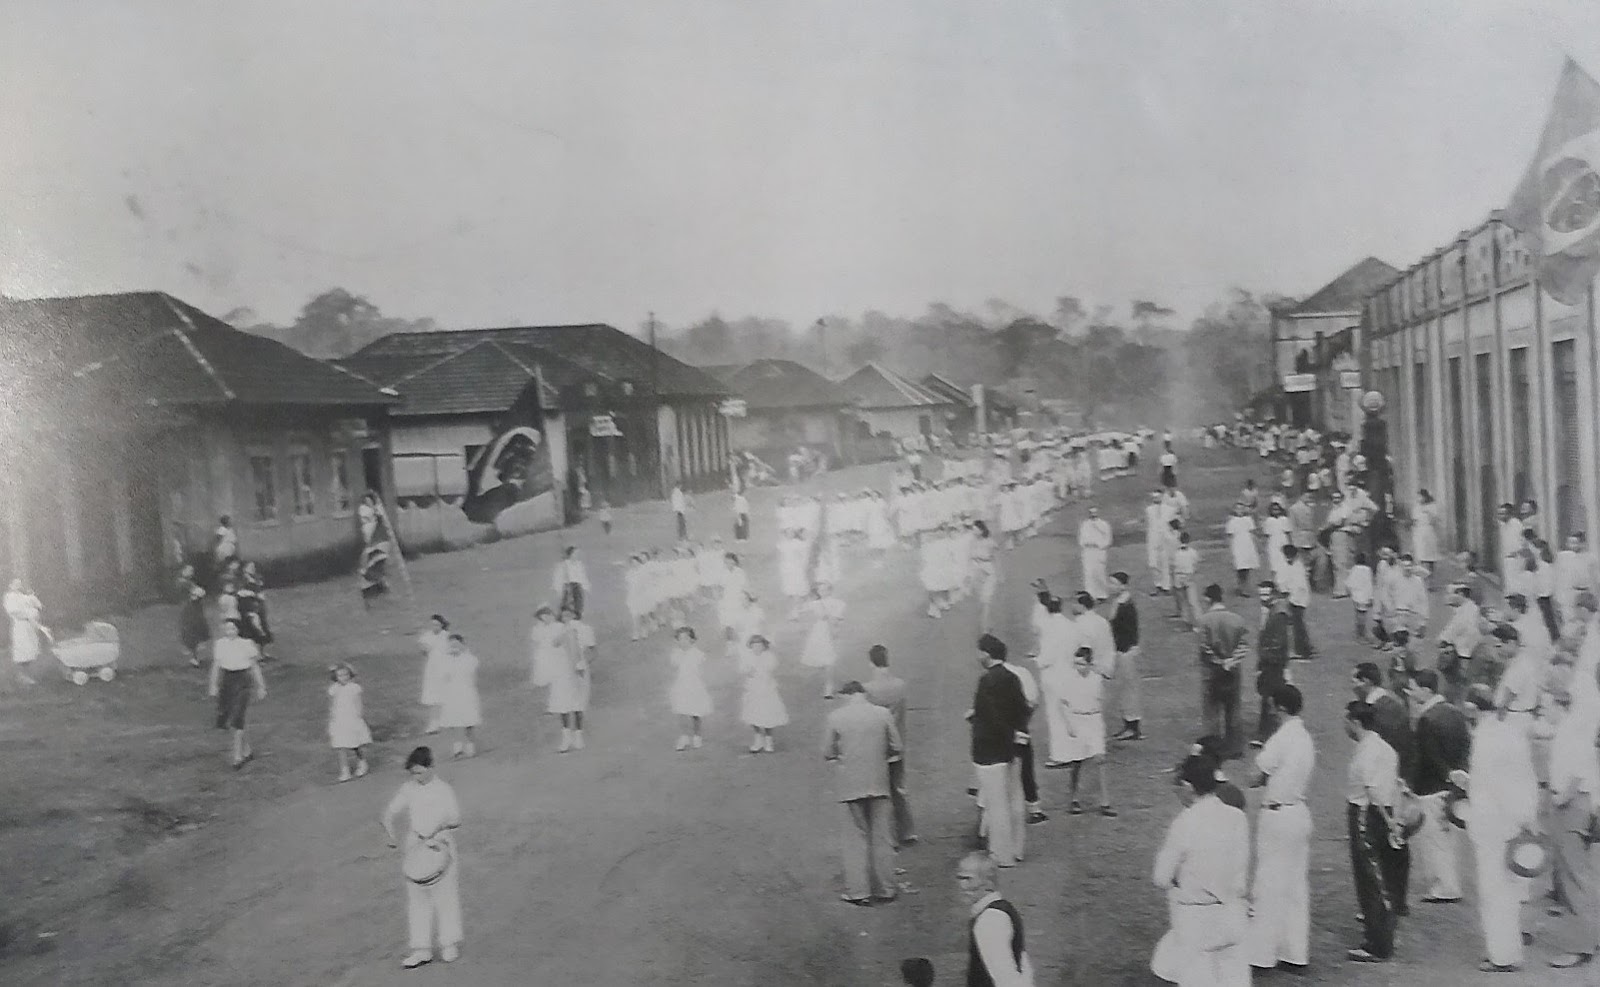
(339, 481)
(305, 500)
(266, 489)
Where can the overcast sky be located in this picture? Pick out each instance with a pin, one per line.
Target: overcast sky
(590, 160)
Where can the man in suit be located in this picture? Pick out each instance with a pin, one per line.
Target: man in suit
(889, 691)
(1272, 656)
(1303, 534)
(861, 738)
(1391, 721)
(1443, 744)
(1222, 645)
(998, 715)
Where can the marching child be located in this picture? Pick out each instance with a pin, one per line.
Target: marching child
(688, 697)
(1359, 584)
(347, 728)
(762, 706)
(826, 611)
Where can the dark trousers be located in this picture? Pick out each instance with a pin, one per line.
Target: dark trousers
(683, 527)
(1030, 785)
(1369, 839)
(1548, 610)
(1302, 638)
(1268, 678)
(572, 596)
(1220, 711)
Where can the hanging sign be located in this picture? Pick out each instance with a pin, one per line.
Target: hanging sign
(604, 426)
(733, 408)
(1350, 380)
(1299, 383)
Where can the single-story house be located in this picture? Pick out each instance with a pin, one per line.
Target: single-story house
(786, 405)
(134, 421)
(885, 403)
(999, 410)
(633, 420)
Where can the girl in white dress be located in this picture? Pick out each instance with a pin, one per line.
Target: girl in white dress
(731, 606)
(1080, 695)
(688, 696)
(1241, 532)
(347, 727)
(461, 708)
(434, 641)
(1277, 527)
(762, 705)
(569, 677)
(1425, 531)
(544, 640)
(752, 619)
(792, 578)
(24, 609)
(826, 611)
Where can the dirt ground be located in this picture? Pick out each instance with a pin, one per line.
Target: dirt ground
(136, 856)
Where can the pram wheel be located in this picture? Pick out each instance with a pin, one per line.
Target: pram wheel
(80, 677)
(107, 673)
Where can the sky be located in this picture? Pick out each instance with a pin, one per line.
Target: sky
(557, 161)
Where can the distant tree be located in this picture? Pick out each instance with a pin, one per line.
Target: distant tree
(1069, 315)
(867, 349)
(1019, 340)
(335, 323)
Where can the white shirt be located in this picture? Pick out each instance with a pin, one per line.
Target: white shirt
(1520, 684)
(1094, 632)
(570, 571)
(741, 505)
(1030, 688)
(680, 503)
(1206, 854)
(1287, 759)
(1574, 761)
(1374, 772)
(1297, 585)
(235, 654)
(1094, 533)
(1463, 631)
(992, 931)
(431, 807)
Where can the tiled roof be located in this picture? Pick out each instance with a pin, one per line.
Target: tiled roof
(601, 349)
(149, 348)
(942, 387)
(779, 384)
(1348, 291)
(876, 386)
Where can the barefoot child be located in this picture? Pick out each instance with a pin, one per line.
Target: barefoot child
(347, 728)
(688, 697)
(762, 706)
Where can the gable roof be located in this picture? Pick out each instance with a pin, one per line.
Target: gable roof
(943, 387)
(152, 349)
(1348, 291)
(779, 384)
(486, 378)
(876, 386)
(600, 349)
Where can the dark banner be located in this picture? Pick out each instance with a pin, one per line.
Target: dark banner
(512, 469)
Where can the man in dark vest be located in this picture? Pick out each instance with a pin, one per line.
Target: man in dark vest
(1272, 655)
(996, 953)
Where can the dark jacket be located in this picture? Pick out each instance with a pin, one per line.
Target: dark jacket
(1393, 723)
(1272, 648)
(999, 711)
(1125, 627)
(1443, 744)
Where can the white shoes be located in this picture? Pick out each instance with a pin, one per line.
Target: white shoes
(450, 954)
(756, 746)
(696, 742)
(415, 959)
(577, 739)
(361, 769)
(682, 744)
(768, 744)
(345, 775)
(566, 742)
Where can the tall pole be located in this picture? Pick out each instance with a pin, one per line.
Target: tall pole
(655, 404)
(822, 341)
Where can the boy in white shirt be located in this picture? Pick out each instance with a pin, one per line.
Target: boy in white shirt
(1185, 595)
(1359, 584)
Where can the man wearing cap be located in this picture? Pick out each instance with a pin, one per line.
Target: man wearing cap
(1443, 740)
(1094, 540)
(997, 954)
(861, 738)
(999, 713)
(1222, 636)
(1281, 916)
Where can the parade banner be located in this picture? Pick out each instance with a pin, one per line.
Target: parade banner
(1557, 205)
(512, 469)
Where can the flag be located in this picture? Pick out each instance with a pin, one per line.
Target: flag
(1557, 205)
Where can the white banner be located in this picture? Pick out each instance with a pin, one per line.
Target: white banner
(1299, 383)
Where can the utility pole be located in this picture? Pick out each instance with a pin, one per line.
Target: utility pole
(822, 341)
(655, 405)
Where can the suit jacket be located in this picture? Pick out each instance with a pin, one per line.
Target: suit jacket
(1222, 634)
(1444, 743)
(1303, 525)
(890, 693)
(1273, 646)
(999, 712)
(1394, 726)
(861, 737)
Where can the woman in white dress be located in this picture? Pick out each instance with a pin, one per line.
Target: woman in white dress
(1425, 531)
(1277, 527)
(1241, 532)
(826, 611)
(544, 641)
(347, 726)
(24, 609)
(792, 577)
(688, 696)
(435, 643)
(1080, 697)
(432, 817)
(761, 706)
(984, 574)
(461, 708)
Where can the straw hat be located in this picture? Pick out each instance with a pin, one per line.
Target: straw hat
(1528, 854)
(426, 863)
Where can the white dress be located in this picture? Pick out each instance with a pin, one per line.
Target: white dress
(1242, 542)
(819, 649)
(689, 695)
(1425, 533)
(792, 554)
(460, 705)
(1277, 529)
(1079, 696)
(762, 705)
(434, 648)
(24, 610)
(347, 729)
(569, 669)
(731, 605)
(544, 643)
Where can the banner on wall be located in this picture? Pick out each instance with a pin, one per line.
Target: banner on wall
(513, 468)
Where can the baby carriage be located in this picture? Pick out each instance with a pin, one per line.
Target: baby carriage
(95, 651)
